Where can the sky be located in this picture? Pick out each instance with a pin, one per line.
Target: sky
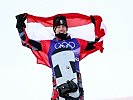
(106, 76)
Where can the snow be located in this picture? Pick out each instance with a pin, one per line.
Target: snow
(105, 76)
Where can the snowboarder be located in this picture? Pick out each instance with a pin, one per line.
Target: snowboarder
(56, 49)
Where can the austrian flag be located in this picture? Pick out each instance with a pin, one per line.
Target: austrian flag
(79, 26)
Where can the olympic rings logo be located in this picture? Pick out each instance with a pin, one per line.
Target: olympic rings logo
(65, 45)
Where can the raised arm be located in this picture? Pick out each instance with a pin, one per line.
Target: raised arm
(98, 32)
(90, 44)
(20, 25)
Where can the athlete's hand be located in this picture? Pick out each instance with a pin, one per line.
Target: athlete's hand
(92, 19)
(21, 17)
(20, 20)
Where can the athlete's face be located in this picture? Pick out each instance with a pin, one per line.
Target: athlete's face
(61, 29)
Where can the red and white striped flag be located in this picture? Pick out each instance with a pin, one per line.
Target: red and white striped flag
(79, 26)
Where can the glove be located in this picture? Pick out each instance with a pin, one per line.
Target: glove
(21, 17)
(20, 20)
(92, 19)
